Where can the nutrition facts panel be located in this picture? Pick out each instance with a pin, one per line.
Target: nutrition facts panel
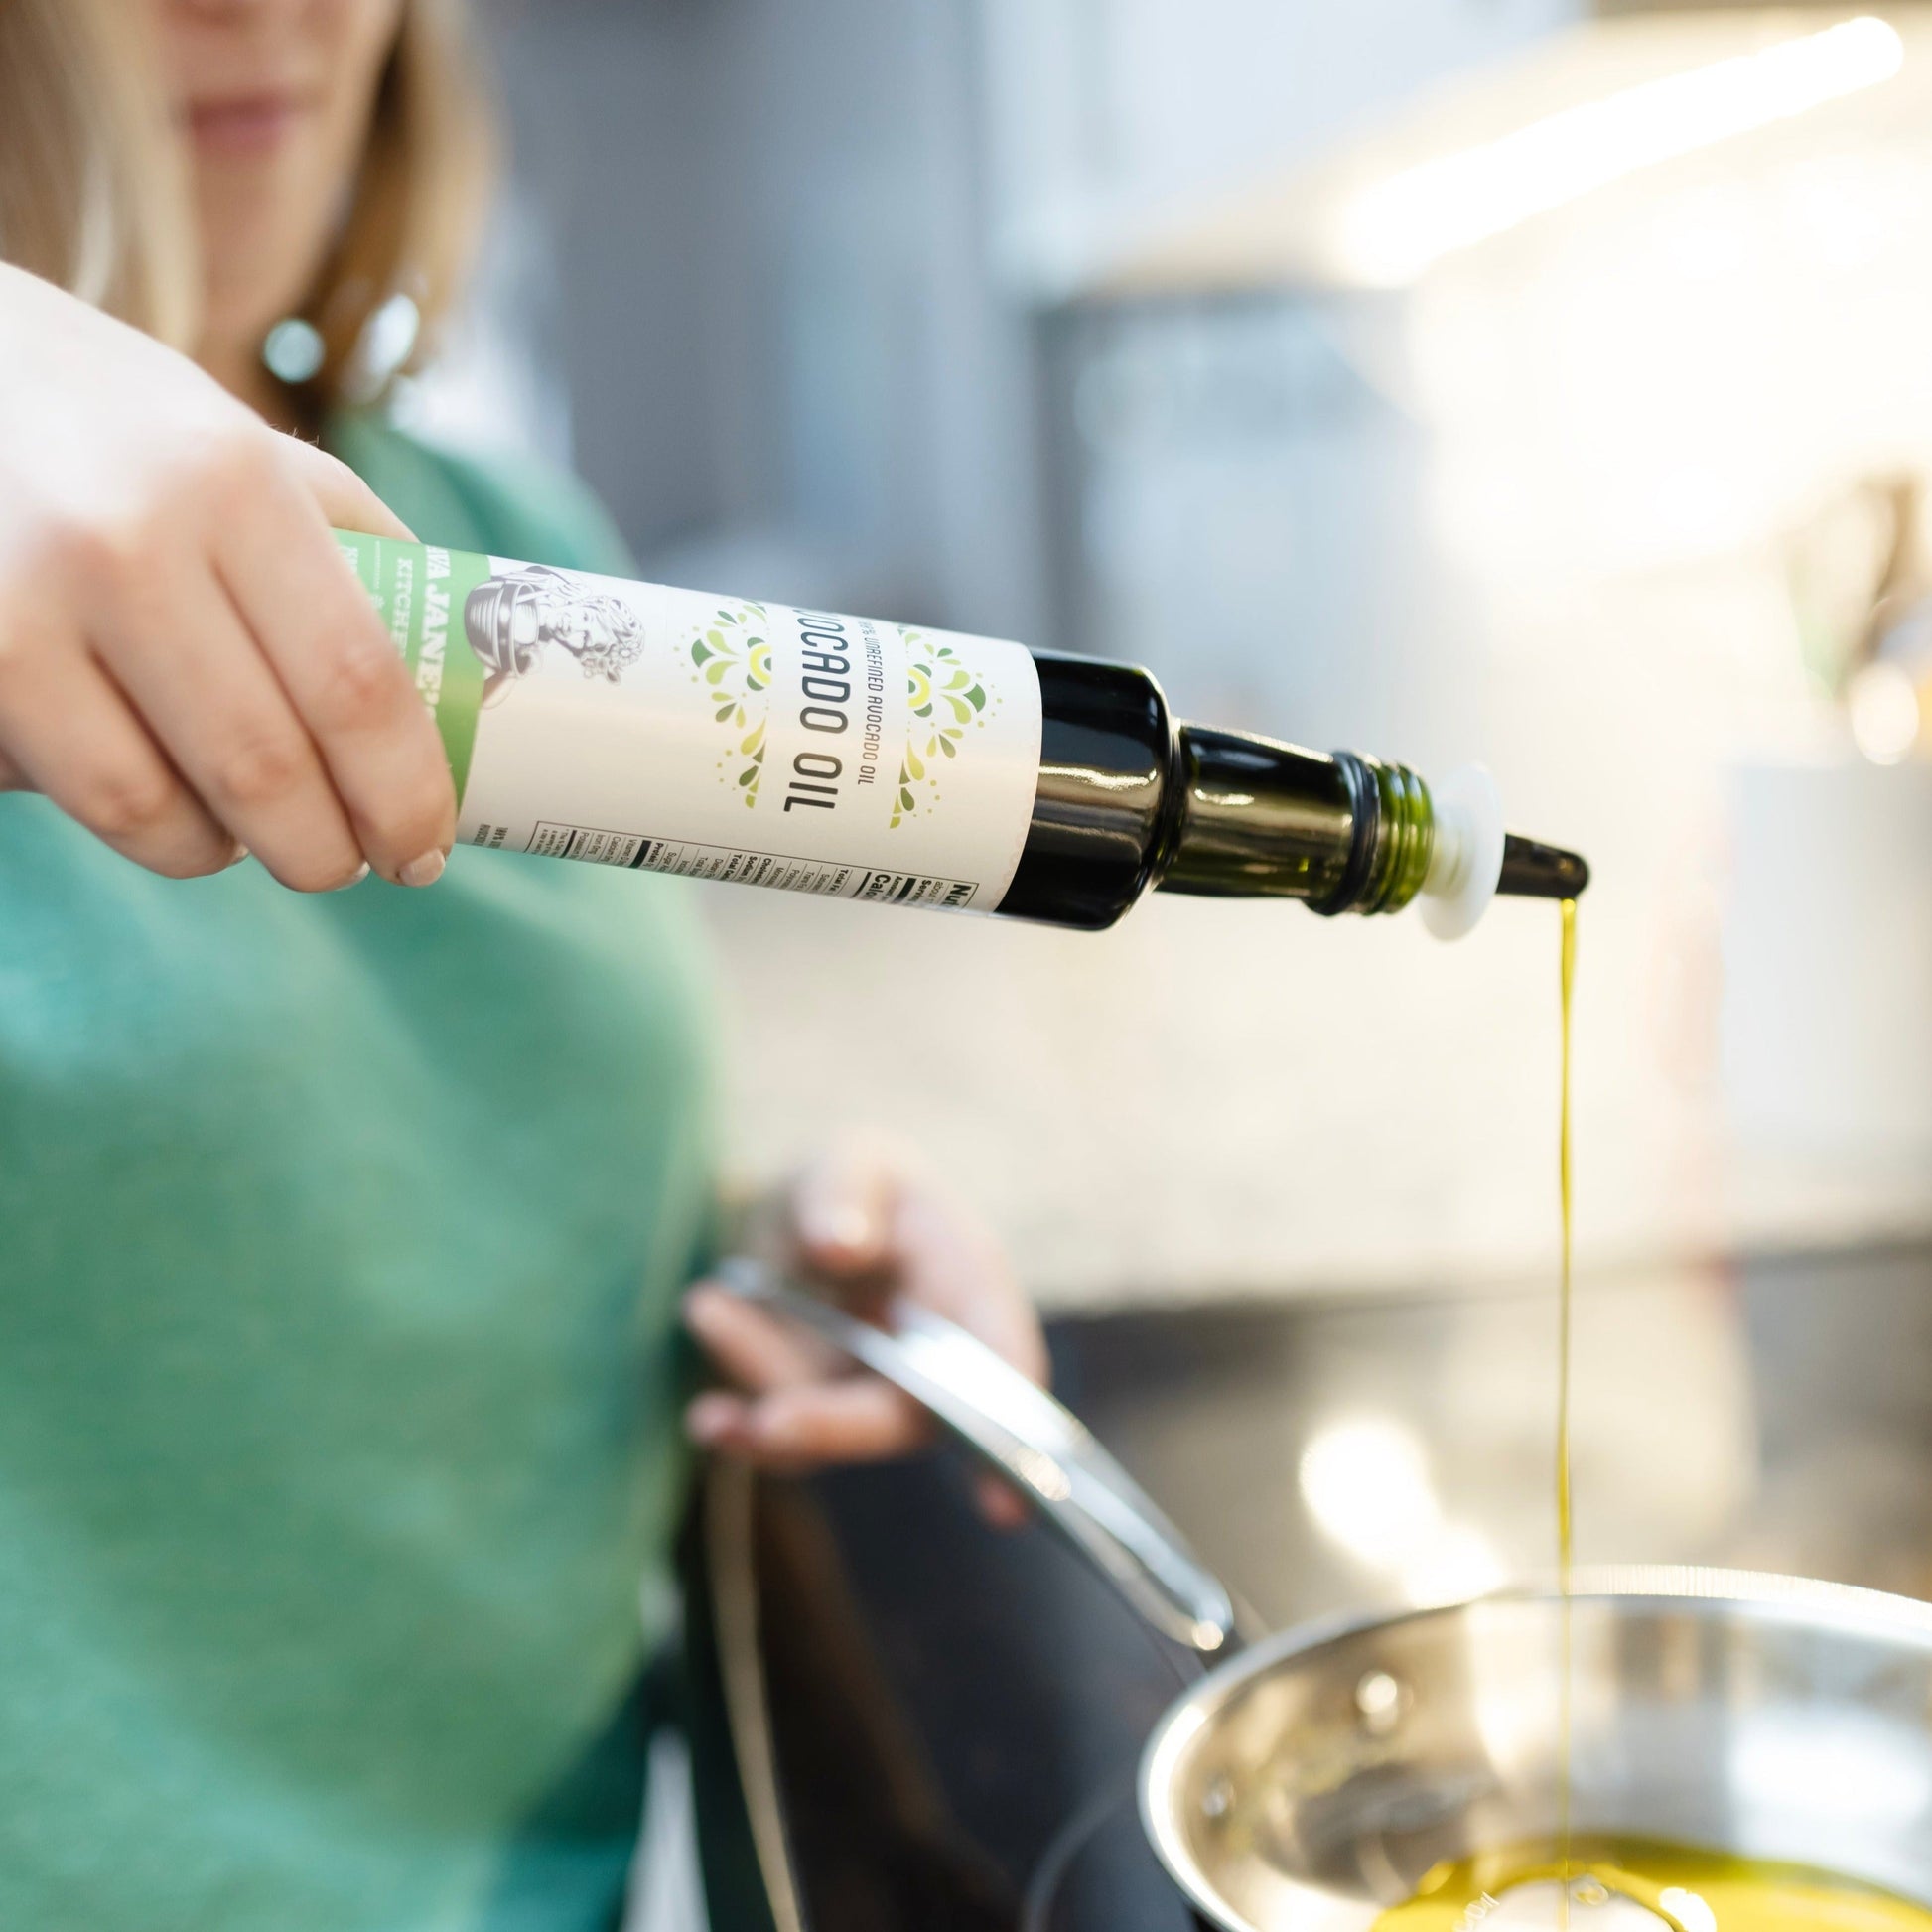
(830, 878)
(909, 888)
(587, 842)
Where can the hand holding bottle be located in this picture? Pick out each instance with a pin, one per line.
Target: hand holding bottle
(186, 666)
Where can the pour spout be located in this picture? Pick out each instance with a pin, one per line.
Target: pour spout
(1535, 871)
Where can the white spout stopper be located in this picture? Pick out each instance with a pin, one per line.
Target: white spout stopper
(1468, 857)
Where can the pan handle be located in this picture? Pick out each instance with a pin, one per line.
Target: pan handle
(1040, 1447)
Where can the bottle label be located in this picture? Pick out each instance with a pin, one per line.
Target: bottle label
(590, 717)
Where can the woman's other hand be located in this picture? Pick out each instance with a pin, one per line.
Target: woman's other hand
(187, 667)
(866, 1225)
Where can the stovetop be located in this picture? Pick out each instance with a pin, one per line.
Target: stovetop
(956, 1716)
(1101, 1875)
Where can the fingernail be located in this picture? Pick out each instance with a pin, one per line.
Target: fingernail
(425, 871)
(240, 853)
(776, 1435)
(835, 1223)
(354, 878)
(708, 1421)
(1002, 1507)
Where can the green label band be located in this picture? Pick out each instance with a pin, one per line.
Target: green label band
(419, 590)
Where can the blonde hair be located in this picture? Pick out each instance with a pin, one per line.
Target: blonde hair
(92, 192)
(91, 189)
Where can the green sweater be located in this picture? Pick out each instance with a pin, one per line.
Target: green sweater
(339, 1240)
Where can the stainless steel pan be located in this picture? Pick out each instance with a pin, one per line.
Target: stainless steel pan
(1310, 1780)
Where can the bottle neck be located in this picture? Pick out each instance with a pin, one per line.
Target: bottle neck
(1258, 818)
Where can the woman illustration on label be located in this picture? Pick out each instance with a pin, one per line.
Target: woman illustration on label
(512, 618)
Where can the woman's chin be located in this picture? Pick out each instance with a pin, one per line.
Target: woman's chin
(245, 292)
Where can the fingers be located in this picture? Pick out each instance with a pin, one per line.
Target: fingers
(861, 1419)
(749, 1347)
(867, 1217)
(786, 1417)
(870, 1226)
(220, 678)
(794, 1410)
(344, 677)
(843, 1208)
(949, 1261)
(180, 653)
(344, 500)
(218, 665)
(999, 1502)
(96, 760)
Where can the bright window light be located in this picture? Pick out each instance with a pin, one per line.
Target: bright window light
(1366, 1484)
(1457, 1562)
(1393, 232)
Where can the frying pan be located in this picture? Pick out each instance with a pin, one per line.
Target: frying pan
(1310, 1780)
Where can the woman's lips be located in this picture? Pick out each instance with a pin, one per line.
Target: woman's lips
(245, 124)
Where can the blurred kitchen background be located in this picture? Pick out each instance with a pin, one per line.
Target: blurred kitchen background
(1515, 381)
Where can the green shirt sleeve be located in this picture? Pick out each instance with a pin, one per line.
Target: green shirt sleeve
(339, 1358)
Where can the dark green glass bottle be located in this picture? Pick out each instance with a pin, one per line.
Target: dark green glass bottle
(1130, 801)
(659, 729)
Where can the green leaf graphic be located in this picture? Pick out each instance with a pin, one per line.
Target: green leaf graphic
(737, 667)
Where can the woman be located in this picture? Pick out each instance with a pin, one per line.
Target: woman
(345, 1216)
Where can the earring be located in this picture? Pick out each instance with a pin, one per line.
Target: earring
(293, 351)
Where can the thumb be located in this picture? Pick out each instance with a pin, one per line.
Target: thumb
(346, 499)
(842, 1211)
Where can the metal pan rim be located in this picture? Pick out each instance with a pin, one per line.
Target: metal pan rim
(1794, 1599)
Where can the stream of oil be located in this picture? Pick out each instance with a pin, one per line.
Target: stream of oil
(1566, 1550)
(1586, 1883)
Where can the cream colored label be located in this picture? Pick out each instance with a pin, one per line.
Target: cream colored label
(666, 730)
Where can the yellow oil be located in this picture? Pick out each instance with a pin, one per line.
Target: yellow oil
(1621, 1885)
(1583, 1882)
(1567, 988)
(1566, 1553)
